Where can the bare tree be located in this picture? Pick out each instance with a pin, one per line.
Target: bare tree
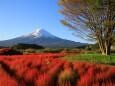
(93, 20)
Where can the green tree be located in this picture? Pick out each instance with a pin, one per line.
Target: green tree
(88, 48)
(93, 20)
(95, 46)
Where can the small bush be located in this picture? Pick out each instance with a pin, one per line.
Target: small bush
(65, 77)
(44, 80)
(112, 51)
(9, 51)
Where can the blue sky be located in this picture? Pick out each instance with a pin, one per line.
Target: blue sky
(19, 17)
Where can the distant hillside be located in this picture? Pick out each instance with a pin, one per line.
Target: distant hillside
(26, 46)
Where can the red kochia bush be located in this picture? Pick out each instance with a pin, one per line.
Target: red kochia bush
(44, 80)
(6, 80)
(30, 75)
(9, 51)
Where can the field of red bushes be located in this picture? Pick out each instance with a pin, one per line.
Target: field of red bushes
(47, 69)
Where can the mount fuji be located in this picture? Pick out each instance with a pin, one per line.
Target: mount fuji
(43, 38)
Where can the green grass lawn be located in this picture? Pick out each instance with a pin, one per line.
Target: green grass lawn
(95, 58)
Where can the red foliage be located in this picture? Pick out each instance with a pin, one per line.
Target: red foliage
(9, 51)
(86, 80)
(67, 65)
(30, 75)
(65, 84)
(44, 80)
(45, 69)
(6, 80)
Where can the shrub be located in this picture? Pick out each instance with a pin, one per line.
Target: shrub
(9, 51)
(44, 80)
(86, 80)
(30, 75)
(90, 52)
(65, 77)
(6, 80)
(112, 51)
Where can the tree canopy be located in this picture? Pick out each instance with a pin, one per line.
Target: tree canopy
(93, 20)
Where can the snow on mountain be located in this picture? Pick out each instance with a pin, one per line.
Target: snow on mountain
(39, 33)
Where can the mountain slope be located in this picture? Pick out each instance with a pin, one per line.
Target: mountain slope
(42, 37)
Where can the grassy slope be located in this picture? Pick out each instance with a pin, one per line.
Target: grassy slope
(96, 58)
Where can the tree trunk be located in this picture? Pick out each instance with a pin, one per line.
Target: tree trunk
(103, 51)
(107, 49)
(101, 45)
(105, 46)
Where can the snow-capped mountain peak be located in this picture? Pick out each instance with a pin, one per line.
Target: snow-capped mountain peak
(39, 33)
